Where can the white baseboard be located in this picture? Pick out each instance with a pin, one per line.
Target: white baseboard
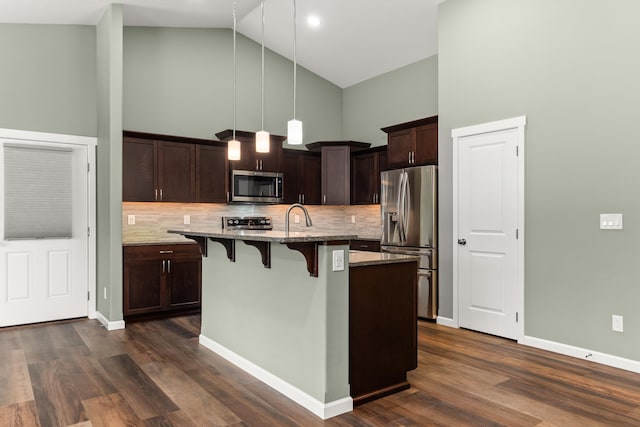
(320, 409)
(445, 321)
(582, 353)
(111, 326)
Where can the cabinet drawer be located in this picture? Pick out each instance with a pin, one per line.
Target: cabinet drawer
(161, 251)
(365, 245)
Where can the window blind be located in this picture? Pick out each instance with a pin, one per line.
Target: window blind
(38, 192)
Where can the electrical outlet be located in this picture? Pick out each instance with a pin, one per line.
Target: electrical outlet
(617, 323)
(338, 260)
(187, 219)
(131, 219)
(353, 219)
(296, 218)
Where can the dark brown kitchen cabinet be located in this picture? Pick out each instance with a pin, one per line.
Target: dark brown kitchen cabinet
(383, 339)
(365, 175)
(157, 171)
(366, 245)
(164, 168)
(161, 279)
(413, 143)
(301, 171)
(336, 169)
(249, 159)
(212, 174)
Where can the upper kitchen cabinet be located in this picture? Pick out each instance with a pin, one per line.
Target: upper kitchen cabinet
(165, 168)
(302, 173)
(249, 159)
(413, 143)
(336, 169)
(366, 166)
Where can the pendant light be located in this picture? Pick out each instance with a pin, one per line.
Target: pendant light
(294, 127)
(262, 137)
(233, 146)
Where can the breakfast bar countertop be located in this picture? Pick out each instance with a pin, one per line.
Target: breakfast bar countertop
(275, 236)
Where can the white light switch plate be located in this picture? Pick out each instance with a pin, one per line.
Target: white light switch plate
(131, 219)
(611, 221)
(187, 219)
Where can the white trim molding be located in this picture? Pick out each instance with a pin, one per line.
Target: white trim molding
(320, 409)
(582, 353)
(518, 123)
(111, 326)
(447, 321)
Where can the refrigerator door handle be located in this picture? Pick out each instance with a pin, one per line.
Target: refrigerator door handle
(401, 207)
(407, 208)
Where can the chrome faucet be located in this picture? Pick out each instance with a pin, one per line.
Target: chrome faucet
(307, 218)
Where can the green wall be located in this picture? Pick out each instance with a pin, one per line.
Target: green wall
(405, 94)
(109, 165)
(179, 81)
(48, 78)
(572, 68)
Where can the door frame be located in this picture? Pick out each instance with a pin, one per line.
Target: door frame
(23, 136)
(517, 123)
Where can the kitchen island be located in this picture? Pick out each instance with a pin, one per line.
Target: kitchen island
(274, 304)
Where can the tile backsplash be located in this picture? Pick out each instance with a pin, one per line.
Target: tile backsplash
(153, 219)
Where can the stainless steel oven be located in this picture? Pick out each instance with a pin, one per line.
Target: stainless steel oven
(256, 186)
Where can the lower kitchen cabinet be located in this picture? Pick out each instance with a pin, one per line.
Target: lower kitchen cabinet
(161, 279)
(383, 343)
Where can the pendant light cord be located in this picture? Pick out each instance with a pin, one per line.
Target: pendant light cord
(235, 11)
(262, 107)
(294, 60)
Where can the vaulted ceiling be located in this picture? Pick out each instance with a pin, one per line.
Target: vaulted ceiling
(355, 40)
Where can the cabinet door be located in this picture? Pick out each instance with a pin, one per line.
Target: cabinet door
(247, 160)
(364, 179)
(143, 283)
(309, 174)
(271, 161)
(176, 171)
(426, 144)
(212, 174)
(291, 190)
(138, 170)
(400, 144)
(336, 177)
(184, 282)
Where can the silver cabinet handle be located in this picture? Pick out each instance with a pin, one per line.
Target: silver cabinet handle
(166, 252)
(168, 266)
(163, 264)
(409, 157)
(227, 196)
(261, 165)
(324, 199)
(156, 192)
(299, 198)
(303, 198)
(161, 194)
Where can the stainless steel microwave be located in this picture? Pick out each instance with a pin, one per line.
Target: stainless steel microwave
(256, 186)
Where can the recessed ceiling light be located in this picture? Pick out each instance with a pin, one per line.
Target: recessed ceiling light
(313, 21)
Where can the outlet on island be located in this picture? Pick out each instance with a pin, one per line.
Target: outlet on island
(338, 260)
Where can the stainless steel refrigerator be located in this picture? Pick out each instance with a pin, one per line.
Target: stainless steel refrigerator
(409, 204)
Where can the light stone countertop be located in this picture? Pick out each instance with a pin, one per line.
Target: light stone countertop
(363, 258)
(275, 236)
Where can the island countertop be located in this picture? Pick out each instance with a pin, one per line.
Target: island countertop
(275, 236)
(363, 258)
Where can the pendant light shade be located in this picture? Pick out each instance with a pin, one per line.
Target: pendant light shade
(262, 142)
(294, 127)
(294, 132)
(233, 146)
(262, 137)
(233, 149)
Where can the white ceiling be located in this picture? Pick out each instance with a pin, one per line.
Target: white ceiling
(356, 40)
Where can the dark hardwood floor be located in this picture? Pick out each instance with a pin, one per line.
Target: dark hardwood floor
(156, 374)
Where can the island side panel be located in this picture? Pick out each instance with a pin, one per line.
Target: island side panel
(281, 319)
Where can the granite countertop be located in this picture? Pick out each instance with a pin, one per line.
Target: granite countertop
(276, 236)
(362, 258)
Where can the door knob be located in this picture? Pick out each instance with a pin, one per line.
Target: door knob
(462, 242)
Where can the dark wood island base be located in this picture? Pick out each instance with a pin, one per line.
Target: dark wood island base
(383, 344)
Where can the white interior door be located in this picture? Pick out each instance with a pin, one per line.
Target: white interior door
(488, 270)
(44, 268)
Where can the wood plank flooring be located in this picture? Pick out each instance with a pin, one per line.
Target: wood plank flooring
(156, 374)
